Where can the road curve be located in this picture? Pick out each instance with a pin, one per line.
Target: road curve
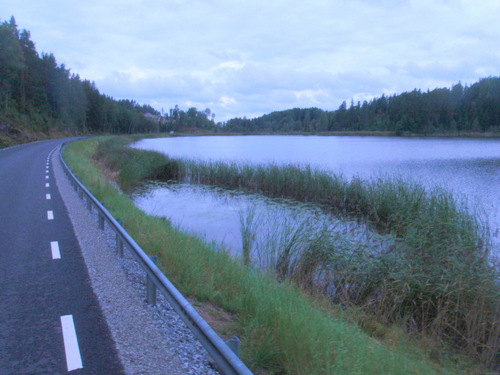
(50, 320)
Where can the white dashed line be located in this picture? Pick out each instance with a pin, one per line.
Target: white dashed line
(46, 177)
(54, 246)
(47, 185)
(48, 197)
(73, 357)
(50, 215)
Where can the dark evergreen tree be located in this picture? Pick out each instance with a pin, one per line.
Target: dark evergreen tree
(36, 88)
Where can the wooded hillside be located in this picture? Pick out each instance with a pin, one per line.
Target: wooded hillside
(38, 95)
(459, 109)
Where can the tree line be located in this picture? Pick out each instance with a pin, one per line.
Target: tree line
(39, 94)
(191, 120)
(459, 109)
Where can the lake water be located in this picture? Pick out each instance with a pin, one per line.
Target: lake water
(470, 168)
(216, 215)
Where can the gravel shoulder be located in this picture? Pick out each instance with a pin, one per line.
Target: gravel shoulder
(149, 339)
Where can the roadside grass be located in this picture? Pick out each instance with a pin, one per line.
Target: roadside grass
(439, 278)
(285, 330)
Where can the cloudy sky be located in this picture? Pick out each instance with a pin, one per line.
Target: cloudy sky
(248, 58)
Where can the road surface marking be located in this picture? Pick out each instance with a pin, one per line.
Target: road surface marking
(46, 177)
(54, 246)
(50, 215)
(47, 196)
(73, 357)
(47, 184)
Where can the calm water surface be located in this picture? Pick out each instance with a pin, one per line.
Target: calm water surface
(216, 215)
(470, 168)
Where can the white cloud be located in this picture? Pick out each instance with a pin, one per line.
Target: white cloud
(226, 100)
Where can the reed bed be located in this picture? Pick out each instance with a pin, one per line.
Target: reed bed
(438, 279)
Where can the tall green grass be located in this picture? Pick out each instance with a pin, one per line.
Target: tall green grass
(437, 280)
(394, 286)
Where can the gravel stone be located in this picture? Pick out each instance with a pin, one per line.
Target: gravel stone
(149, 339)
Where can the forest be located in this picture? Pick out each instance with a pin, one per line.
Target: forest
(37, 93)
(455, 110)
(41, 98)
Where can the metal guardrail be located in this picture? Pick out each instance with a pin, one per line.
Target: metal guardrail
(227, 361)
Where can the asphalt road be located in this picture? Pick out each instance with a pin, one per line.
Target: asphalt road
(50, 320)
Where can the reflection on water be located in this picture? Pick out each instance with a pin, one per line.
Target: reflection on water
(220, 216)
(470, 168)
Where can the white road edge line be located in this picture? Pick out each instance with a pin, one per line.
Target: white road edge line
(48, 196)
(73, 356)
(50, 215)
(54, 246)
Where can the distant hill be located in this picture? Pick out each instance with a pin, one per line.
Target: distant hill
(455, 110)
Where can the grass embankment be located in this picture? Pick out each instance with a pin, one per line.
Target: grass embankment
(284, 330)
(20, 129)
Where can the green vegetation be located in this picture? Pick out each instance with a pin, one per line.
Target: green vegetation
(460, 110)
(40, 99)
(437, 281)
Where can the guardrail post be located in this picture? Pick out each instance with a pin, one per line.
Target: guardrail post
(150, 285)
(119, 242)
(81, 194)
(119, 245)
(101, 220)
(234, 345)
(89, 204)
